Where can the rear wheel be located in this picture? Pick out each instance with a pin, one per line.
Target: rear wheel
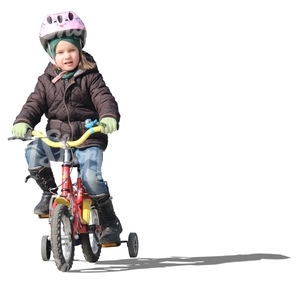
(61, 238)
(90, 245)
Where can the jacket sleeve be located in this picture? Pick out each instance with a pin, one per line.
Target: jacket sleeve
(35, 106)
(103, 99)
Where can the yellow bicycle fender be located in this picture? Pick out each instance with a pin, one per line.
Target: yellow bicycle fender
(62, 200)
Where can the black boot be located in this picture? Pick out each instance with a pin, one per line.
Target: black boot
(111, 224)
(45, 180)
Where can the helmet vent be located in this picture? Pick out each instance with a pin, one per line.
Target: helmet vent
(49, 20)
(71, 16)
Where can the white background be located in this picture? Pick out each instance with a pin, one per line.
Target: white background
(205, 166)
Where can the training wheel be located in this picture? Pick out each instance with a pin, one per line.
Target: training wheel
(133, 244)
(46, 248)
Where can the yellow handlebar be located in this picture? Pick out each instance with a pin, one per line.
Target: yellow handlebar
(76, 143)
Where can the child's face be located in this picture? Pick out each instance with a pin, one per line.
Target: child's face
(67, 56)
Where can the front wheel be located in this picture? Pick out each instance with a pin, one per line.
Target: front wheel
(90, 244)
(61, 238)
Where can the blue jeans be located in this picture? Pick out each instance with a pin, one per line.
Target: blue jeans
(37, 153)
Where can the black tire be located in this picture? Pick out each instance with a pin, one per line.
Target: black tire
(45, 248)
(90, 245)
(133, 244)
(62, 241)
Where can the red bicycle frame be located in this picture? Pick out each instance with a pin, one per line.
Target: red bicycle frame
(75, 197)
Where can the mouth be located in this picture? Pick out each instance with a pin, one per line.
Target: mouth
(69, 63)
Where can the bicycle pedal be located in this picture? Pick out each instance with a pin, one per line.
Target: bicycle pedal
(43, 216)
(107, 245)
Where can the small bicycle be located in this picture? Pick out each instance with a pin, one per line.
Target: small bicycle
(73, 217)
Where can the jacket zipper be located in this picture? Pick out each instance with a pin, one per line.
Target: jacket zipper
(67, 85)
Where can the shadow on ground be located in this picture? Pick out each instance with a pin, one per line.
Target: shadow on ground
(152, 263)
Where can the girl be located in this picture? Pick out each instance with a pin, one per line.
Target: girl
(70, 91)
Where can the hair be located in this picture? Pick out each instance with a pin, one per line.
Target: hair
(84, 64)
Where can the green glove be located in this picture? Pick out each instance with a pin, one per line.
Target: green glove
(108, 125)
(19, 130)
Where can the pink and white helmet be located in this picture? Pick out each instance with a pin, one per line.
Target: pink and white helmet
(59, 24)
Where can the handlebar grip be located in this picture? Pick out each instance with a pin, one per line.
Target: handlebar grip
(28, 136)
(12, 138)
(18, 138)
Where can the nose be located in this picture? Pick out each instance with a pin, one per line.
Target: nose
(67, 54)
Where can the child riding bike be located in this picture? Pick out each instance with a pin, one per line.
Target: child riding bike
(70, 91)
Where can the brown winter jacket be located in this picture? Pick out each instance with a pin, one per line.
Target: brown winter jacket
(68, 103)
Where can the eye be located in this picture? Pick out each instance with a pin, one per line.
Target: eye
(60, 19)
(49, 20)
